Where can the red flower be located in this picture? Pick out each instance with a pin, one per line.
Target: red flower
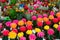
(25, 7)
(5, 32)
(15, 30)
(55, 20)
(23, 29)
(3, 1)
(48, 22)
(59, 18)
(29, 27)
(39, 23)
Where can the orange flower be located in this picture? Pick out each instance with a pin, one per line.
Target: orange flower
(29, 22)
(21, 23)
(51, 17)
(39, 19)
(13, 25)
(45, 19)
(58, 14)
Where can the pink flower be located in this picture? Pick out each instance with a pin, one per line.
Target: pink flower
(34, 17)
(52, 13)
(5, 32)
(58, 28)
(8, 23)
(1, 25)
(36, 6)
(50, 31)
(24, 19)
(15, 21)
(40, 16)
(45, 15)
(22, 38)
(38, 2)
(40, 34)
(29, 10)
(32, 37)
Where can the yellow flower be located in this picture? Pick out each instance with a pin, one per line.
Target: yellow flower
(46, 27)
(22, 0)
(59, 23)
(49, 4)
(22, 9)
(55, 26)
(54, 5)
(12, 35)
(29, 32)
(21, 34)
(37, 30)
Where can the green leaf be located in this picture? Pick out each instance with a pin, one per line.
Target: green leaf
(12, 2)
(50, 37)
(20, 15)
(5, 38)
(34, 24)
(28, 16)
(39, 38)
(12, 13)
(7, 18)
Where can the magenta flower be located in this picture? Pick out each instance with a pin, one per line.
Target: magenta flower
(8, 23)
(32, 37)
(40, 34)
(15, 21)
(34, 17)
(22, 38)
(52, 13)
(58, 28)
(50, 31)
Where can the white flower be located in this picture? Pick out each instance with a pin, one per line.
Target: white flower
(34, 31)
(0, 38)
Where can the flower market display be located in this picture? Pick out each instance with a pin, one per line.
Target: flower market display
(29, 19)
